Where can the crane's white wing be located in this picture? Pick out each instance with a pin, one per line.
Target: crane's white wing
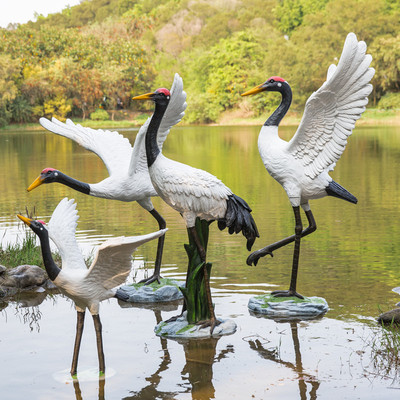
(332, 111)
(62, 229)
(114, 149)
(113, 260)
(174, 113)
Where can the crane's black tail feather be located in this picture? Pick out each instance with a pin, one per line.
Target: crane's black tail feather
(238, 218)
(335, 190)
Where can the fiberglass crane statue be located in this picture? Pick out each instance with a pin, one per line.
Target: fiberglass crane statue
(129, 177)
(87, 287)
(301, 165)
(193, 192)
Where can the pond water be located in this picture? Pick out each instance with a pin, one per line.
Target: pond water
(351, 261)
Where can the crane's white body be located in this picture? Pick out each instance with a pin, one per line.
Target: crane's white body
(127, 166)
(289, 171)
(190, 191)
(301, 165)
(87, 287)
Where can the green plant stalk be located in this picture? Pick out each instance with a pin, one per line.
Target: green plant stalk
(194, 293)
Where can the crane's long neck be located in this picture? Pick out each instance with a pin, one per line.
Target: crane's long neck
(51, 267)
(152, 150)
(73, 183)
(279, 113)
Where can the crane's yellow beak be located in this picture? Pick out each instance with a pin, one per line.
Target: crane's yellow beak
(255, 90)
(37, 182)
(26, 220)
(147, 96)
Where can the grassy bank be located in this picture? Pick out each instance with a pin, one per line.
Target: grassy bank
(370, 117)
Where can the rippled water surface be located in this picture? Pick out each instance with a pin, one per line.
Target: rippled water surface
(351, 261)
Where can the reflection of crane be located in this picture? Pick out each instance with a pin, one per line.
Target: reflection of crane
(86, 287)
(297, 367)
(301, 165)
(129, 178)
(193, 192)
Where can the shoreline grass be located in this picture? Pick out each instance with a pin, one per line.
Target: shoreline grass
(370, 117)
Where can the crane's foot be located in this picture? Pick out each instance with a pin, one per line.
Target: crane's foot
(121, 295)
(212, 323)
(286, 293)
(256, 255)
(173, 319)
(153, 278)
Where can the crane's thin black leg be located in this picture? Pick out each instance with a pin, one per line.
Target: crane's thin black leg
(296, 254)
(157, 268)
(213, 322)
(256, 255)
(99, 340)
(78, 337)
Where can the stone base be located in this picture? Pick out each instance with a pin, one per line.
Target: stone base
(167, 290)
(180, 329)
(288, 307)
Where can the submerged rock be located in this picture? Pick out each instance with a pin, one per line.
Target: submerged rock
(24, 276)
(389, 317)
(288, 307)
(167, 290)
(181, 329)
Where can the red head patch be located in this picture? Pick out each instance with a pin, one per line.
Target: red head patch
(47, 170)
(163, 90)
(42, 222)
(277, 79)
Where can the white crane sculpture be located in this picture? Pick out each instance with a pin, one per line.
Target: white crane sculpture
(301, 165)
(193, 192)
(87, 287)
(129, 177)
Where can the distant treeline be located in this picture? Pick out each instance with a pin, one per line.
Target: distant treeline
(101, 52)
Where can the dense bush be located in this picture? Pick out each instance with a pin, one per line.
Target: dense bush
(99, 115)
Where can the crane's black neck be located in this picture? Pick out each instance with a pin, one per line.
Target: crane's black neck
(73, 183)
(279, 113)
(152, 150)
(51, 267)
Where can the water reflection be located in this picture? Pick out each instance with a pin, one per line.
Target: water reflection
(303, 378)
(78, 392)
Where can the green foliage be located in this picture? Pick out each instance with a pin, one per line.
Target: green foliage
(195, 291)
(217, 76)
(21, 110)
(390, 101)
(290, 13)
(99, 115)
(117, 48)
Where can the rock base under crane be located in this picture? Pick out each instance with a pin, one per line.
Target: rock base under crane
(288, 307)
(167, 290)
(181, 329)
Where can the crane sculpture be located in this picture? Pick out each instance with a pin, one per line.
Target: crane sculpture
(302, 165)
(87, 287)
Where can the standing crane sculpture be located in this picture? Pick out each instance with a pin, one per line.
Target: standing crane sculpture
(86, 287)
(301, 165)
(193, 192)
(129, 177)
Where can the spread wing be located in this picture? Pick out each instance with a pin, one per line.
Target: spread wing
(113, 260)
(332, 111)
(173, 114)
(62, 229)
(114, 149)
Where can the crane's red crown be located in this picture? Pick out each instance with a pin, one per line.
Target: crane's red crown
(42, 222)
(277, 79)
(47, 170)
(165, 91)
